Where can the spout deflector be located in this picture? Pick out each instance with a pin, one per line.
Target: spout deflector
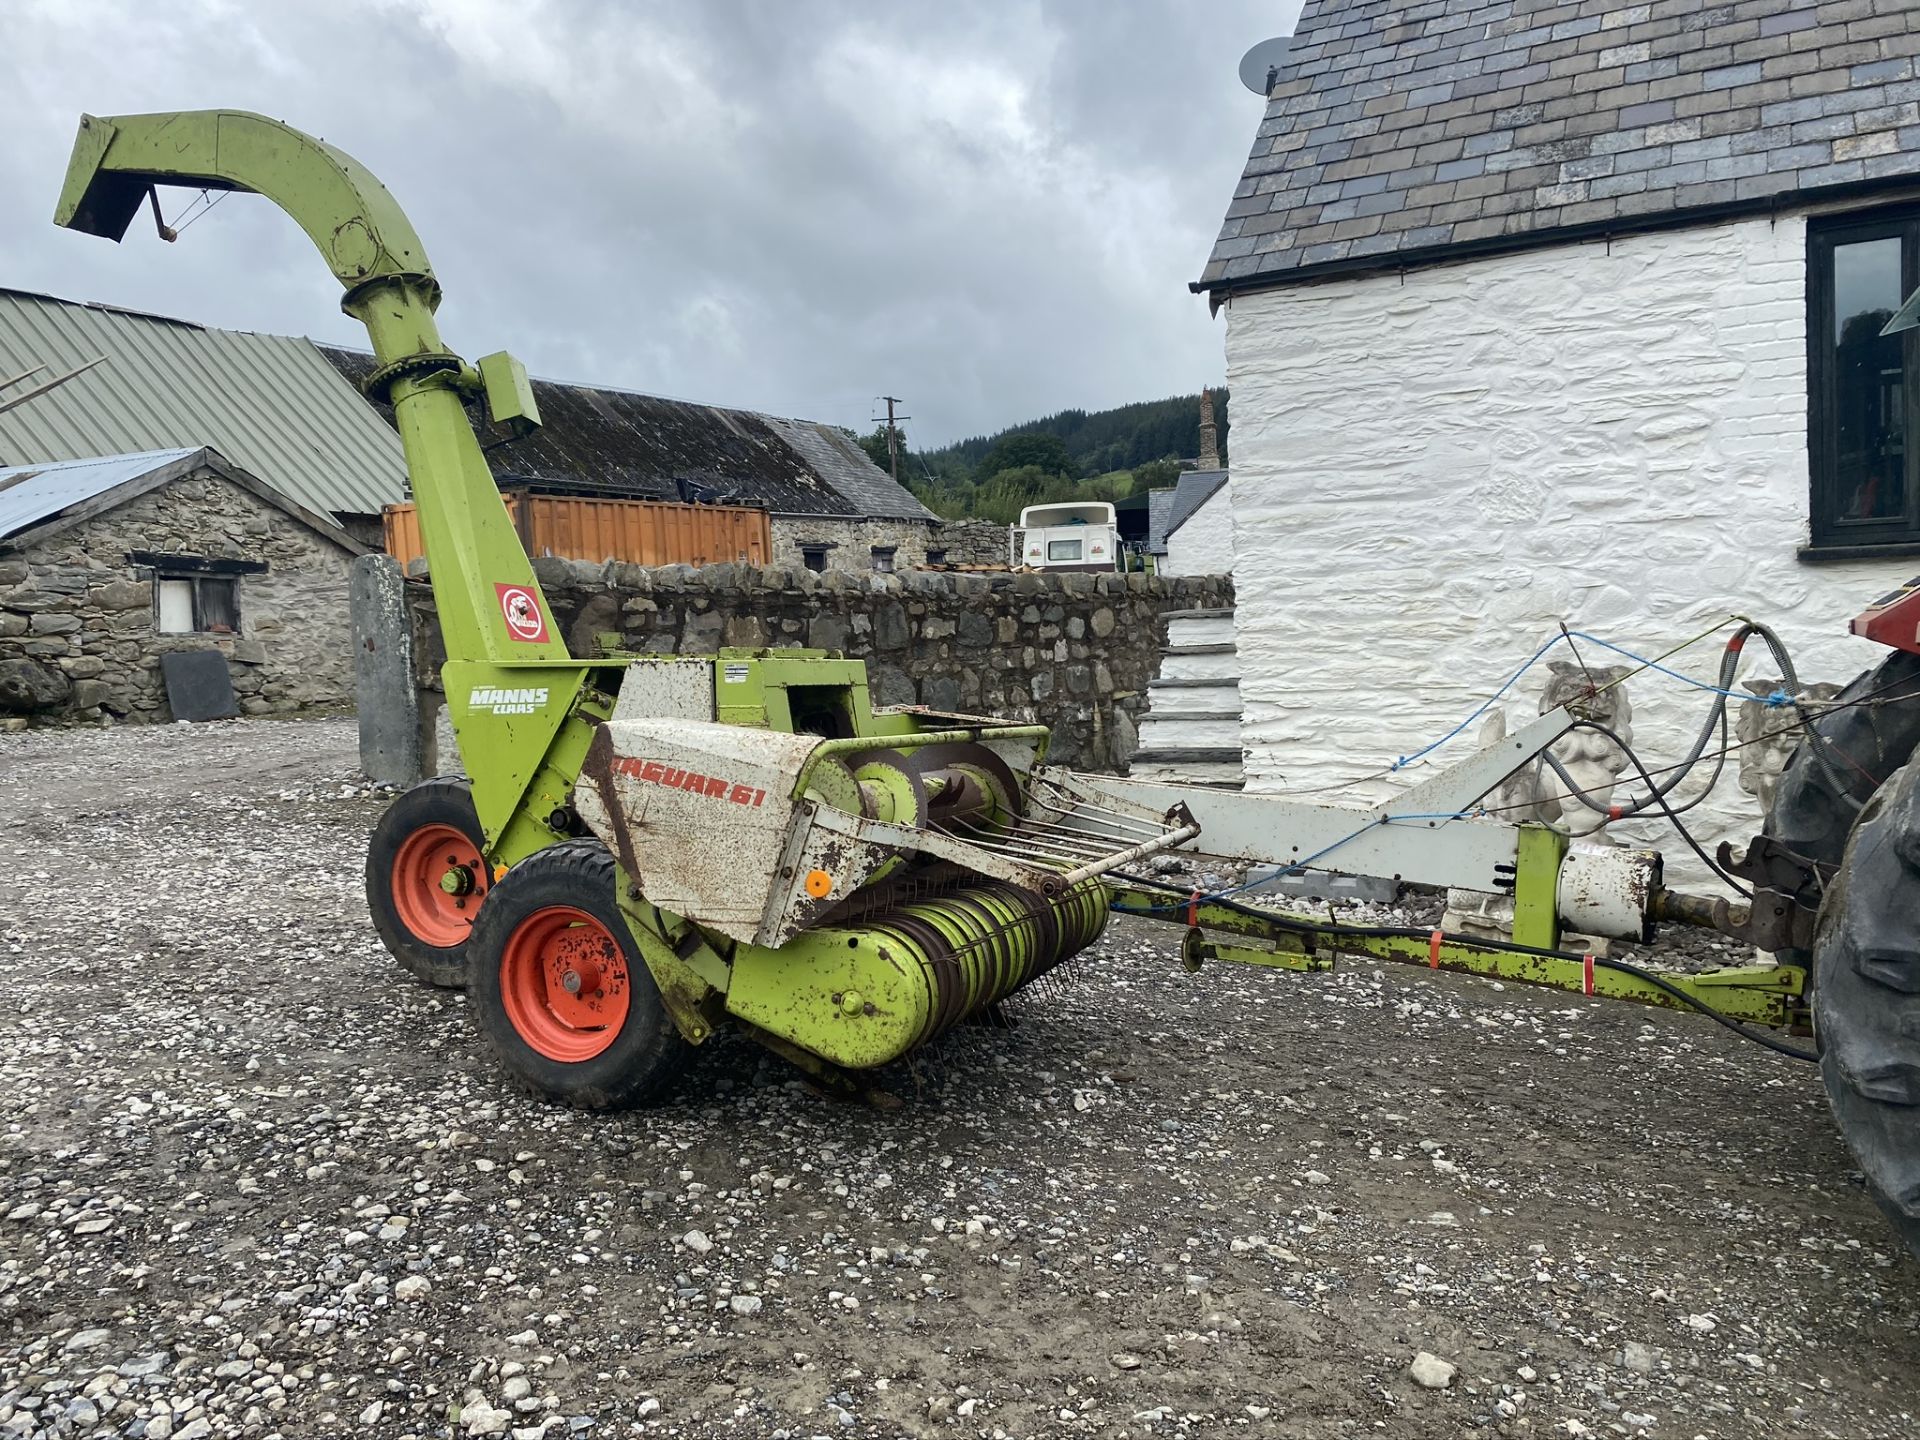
(359, 228)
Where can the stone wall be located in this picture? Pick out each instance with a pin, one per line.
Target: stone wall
(77, 623)
(1071, 651)
(1432, 470)
(849, 544)
(971, 542)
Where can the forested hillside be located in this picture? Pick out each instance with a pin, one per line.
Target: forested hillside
(1074, 455)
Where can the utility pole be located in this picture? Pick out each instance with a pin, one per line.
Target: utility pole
(893, 435)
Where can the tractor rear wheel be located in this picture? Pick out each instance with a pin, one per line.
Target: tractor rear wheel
(426, 878)
(1866, 998)
(561, 989)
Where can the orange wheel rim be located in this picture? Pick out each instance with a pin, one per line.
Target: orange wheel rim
(438, 881)
(564, 984)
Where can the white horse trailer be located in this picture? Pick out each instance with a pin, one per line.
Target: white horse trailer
(1067, 537)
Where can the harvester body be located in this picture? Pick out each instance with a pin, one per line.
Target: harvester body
(649, 848)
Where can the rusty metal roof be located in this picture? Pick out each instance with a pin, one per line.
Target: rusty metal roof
(271, 404)
(595, 440)
(1400, 134)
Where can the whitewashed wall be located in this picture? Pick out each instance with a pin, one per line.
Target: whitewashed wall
(1431, 471)
(1203, 545)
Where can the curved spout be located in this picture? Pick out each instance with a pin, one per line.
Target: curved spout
(360, 230)
(369, 244)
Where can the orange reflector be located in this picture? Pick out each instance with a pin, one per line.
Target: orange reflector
(819, 884)
(499, 873)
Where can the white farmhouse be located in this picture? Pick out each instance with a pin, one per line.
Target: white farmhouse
(1564, 310)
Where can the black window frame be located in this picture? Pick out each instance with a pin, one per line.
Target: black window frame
(1829, 530)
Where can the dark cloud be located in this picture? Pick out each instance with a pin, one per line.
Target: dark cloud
(991, 210)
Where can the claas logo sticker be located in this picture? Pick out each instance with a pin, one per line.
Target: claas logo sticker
(521, 610)
(502, 700)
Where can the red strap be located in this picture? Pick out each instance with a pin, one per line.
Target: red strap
(1193, 911)
(1586, 976)
(1433, 950)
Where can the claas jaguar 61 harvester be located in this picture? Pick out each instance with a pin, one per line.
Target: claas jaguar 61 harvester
(648, 849)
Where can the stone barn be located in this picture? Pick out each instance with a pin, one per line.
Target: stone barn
(1564, 311)
(107, 564)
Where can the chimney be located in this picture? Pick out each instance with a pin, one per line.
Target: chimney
(1209, 437)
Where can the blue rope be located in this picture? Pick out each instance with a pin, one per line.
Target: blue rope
(1776, 700)
(1485, 705)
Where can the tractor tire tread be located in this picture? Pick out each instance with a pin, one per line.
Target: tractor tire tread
(648, 1055)
(445, 799)
(1866, 956)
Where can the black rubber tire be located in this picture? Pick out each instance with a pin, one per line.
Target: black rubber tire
(1815, 805)
(646, 1056)
(1866, 998)
(444, 800)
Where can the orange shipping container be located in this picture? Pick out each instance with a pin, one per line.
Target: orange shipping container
(640, 532)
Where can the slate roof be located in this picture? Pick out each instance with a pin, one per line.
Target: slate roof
(1159, 507)
(1404, 133)
(1190, 492)
(269, 403)
(599, 441)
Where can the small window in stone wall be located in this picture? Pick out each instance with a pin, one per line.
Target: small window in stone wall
(814, 557)
(196, 604)
(883, 557)
(936, 557)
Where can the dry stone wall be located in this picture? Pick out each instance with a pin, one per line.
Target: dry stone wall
(77, 632)
(846, 546)
(1074, 652)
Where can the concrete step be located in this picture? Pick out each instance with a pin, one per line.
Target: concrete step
(1217, 698)
(1209, 683)
(1214, 647)
(1211, 663)
(1187, 755)
(1183, 732)
(1211, 631)
(1221, 774)
(1173, 615)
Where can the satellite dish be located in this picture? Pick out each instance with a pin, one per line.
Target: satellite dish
(1261, 65)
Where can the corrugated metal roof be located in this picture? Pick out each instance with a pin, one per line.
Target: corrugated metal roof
(32, 493)
(271, 404)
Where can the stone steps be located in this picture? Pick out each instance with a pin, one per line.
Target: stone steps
(1191, 728)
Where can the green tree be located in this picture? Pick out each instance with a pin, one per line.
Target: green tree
(1154, 475)
(1028, 450)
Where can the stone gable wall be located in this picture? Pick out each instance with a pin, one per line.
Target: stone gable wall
(1074, 652)
(77, 625)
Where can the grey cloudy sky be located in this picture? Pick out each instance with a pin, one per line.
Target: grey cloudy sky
(990, 209)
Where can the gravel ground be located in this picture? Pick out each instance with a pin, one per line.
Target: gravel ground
(255, 1182)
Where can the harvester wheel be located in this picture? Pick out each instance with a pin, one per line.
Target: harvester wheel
(562, 991)
(1866, 998)
(426, 878)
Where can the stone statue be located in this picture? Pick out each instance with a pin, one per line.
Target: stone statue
(1536, 793)
(1767, 735)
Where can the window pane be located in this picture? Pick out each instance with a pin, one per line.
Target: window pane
(1870, 462)
(1063, 550)
(219, 605)
(175, 607)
